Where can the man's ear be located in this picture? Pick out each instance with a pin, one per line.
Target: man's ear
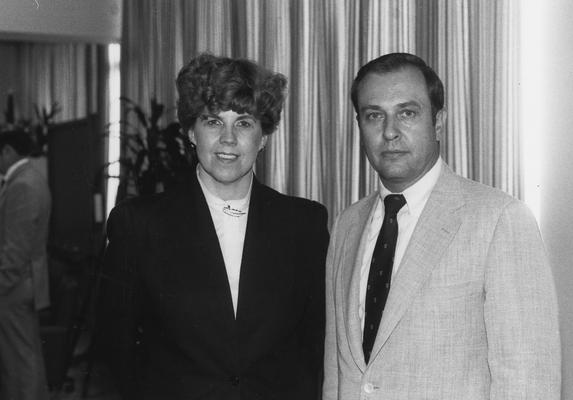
(440, 125)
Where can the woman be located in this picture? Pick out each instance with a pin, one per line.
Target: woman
(216, 290)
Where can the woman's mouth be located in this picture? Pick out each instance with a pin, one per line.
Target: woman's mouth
(226, 156)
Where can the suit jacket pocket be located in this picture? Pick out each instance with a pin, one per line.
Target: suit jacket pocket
(450, 292)
(450, 317)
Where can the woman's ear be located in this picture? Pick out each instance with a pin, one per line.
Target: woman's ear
(263, 142)
(191, 136)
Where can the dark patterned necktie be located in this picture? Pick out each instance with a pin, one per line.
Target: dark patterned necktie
(380, 273)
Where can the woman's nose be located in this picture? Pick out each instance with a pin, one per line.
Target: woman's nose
(228, 135)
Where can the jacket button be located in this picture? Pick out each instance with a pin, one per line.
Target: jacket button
(369, 388)
(234, 380)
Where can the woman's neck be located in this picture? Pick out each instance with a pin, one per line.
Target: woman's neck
(226, 191)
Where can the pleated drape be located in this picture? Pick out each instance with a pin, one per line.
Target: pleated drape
(48, 72)
(473, 46)
(320, 45)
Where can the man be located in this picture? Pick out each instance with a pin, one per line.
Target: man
(437, 287)
(24, 217)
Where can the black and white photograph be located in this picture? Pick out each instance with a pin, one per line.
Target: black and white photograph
(286, 199)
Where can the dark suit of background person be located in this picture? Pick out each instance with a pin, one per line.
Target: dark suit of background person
(175, 324)
(24, 218)
(471, 311)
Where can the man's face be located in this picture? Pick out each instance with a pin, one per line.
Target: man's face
(396, 128)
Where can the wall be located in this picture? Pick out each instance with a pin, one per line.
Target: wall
(555, 137)
(68, 20)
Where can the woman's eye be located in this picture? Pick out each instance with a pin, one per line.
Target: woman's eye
(244, 123)
(213, 122)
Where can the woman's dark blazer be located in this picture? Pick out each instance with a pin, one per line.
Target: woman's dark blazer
(169, 327)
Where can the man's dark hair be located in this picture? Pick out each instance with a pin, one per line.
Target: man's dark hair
(222, 84)
(18, 139)
(397, 61)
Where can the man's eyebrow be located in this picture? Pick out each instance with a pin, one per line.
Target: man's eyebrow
(405, 104)
(411, 103)
(370, 107)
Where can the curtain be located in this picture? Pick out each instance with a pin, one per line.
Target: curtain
(320, 45)
(51, 73)
(473, 46)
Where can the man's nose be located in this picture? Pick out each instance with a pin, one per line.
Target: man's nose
(390, 129)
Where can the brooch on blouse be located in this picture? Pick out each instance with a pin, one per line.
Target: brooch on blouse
(233, 212)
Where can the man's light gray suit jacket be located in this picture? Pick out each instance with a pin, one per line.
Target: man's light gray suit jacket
(24, 217)
(472, 310)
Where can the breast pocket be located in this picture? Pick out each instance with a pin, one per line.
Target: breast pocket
(453, 291)
(451, 314)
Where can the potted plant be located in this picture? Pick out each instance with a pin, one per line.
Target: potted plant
(154, 157)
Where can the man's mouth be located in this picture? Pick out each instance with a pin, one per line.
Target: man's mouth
(393, 153)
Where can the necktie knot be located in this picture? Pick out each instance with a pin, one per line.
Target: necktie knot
(393, 203)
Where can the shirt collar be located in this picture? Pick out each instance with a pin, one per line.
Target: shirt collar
(417, 194)
(217, 203)
(13, 168)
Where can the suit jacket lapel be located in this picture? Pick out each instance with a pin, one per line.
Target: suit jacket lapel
(3, 193)
(434, 231)
(256, 245)
(199, 231)
(19, 170)
(353, 250)
(3, 190)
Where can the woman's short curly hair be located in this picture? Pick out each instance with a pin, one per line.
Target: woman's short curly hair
(222, 84)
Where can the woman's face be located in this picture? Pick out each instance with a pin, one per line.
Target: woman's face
(227, 145)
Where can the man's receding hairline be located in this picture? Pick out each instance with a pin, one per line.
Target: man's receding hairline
(397, 69)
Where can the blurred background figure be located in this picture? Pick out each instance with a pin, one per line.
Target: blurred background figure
(215, 290)
(24, 218)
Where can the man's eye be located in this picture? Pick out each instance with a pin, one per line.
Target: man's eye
(407, 114)
(374, 116)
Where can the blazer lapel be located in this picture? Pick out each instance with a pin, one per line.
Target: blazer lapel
(256, 245)
(19, 170)
(351, 265)
(201, 237)
(3, 193)
(4, 188)
(434, 231)
(267, 276)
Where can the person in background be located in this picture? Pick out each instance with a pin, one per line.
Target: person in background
(24, 218)
(215, 290)
(438, 287)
